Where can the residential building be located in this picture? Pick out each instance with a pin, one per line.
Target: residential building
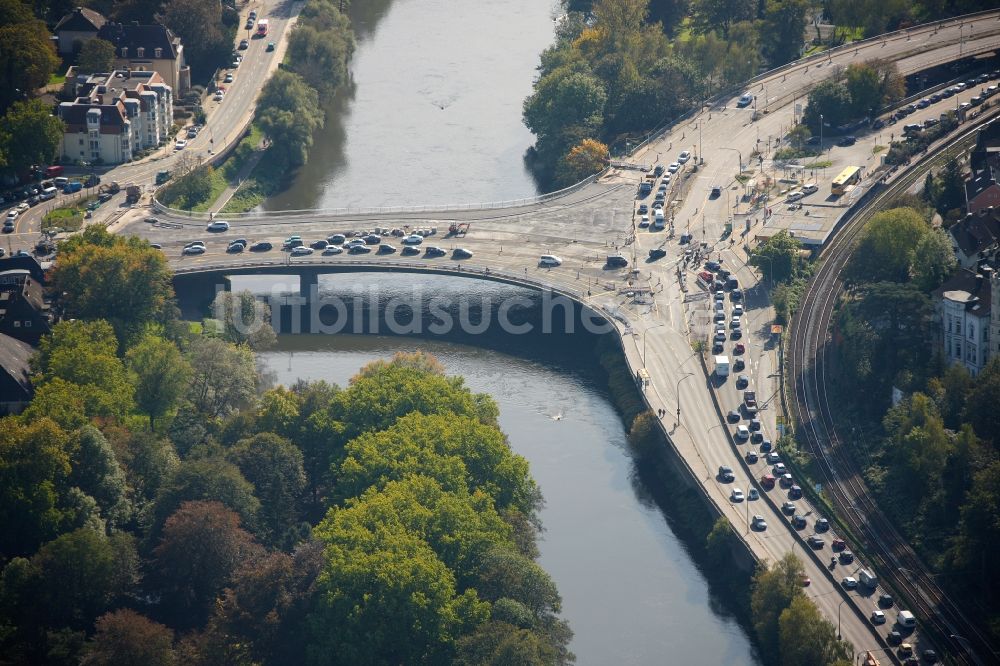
(963, 305)
(77, 28)
(982, 190)
(995, 314)
(116, 115)
(24, 314)
(15, 375)
(148, 48)
(987, 149)
(976, 236)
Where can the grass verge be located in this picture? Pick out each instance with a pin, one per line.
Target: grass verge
(67, 218)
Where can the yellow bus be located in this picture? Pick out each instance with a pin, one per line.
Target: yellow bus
(847, 177)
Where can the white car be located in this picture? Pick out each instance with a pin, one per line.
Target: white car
(218, 97)
(684, 156)
(794, 195)
(736, 495)
(218, 225)
(738, 310)
(12, 215)
(301, 251)
(549, 260)
(742, 433)
(194, 249)
(413, 239)
(674, 167)
(878, 617)
(180, 145)
(746, 99)
(758, 523)
(849, 583)
(809, 188)
(21, 207)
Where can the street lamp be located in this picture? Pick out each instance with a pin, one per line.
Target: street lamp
(678, 392)
(821, 134)
(838, 615)
(738, 154)
(647, 330)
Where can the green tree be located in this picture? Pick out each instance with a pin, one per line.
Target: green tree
(160, 376)
(97, 473)
(274, 467)
(949, 188)
(391, 598)
(979, 406)
(585, 159)
(34, 465)
(933, 260)
(191, 189)
(461, 453)
(126, 638)
(979, 528)
(320, 56)
(97, 55)
(774, 590)
(60, 401)
(201, 548)
(778, 258)
(27, 60)
(782, 29)
(245, 319)
(709, 15)
(29, 133)
(106, 276)
(207, 41)
(84, 353)
(887, 247)
(831, 100)
(224, 378)
(863, 85)
(809, 638)
(289, 113)
(562, 99)
(209, 480)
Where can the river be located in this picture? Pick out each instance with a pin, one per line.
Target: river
(631, 592)
(434, 117)
(434, 112)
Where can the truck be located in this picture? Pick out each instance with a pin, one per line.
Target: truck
(870, 659)
(53, 171)
(722, 366)
(72, 186)
(867, 578)
(906, 619)
(645, 187)
(132, 194)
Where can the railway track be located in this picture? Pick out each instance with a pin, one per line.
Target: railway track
(889, 552)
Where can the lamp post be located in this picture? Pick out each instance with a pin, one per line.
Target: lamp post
(738, 153)
(678, 392)
(839, 606)
(821, 134)
(644, 332)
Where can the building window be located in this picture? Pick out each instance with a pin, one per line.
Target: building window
(124, 51)
(17, 324)
(140, 52)
(158, 52)
(27, 324)
(81, 142)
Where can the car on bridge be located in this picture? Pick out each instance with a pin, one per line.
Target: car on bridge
(409, 251)
(751, 457)
(302, 251)
(194, 249)
(218, 225)
(261, 246)
(736, 495)
(413, 239)
(336, 249)
(384, 248)
(788, 509)
(433, 251)
(336, 239)
(318, 245)
(746, 99)
(758, 523)
(742, 433)
(358, 249)
(849, 583)
(461, 253)
(726, 474)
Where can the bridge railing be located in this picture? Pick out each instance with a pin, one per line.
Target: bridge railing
(378, 210)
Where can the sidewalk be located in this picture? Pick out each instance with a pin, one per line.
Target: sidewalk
(241, 177)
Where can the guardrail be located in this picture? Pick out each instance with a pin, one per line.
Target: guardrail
(382, 210)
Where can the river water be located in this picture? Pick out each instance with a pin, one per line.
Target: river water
(434, 117)
(434, 112)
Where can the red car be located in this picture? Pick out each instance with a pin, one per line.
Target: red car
(740, 348)
(767, 481)
(706, 276)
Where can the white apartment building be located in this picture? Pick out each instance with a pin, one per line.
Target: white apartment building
(964, 304)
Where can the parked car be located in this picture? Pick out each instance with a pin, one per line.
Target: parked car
(848, 140)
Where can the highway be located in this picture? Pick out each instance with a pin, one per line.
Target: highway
(663, 313)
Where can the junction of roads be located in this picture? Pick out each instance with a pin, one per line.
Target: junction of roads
(660, 308)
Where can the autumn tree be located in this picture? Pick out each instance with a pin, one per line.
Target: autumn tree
(201, 546)
(583, 160)
(207, 479)
(127, 638)
(97, 55)
(121, 279)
